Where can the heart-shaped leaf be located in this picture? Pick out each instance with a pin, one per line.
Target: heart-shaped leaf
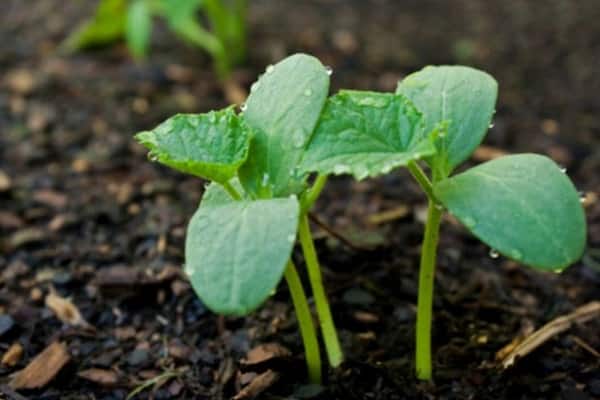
(366, 134)
(523, 206)
(283, 109)
(236, 251)
(210, 146)
(463, 97)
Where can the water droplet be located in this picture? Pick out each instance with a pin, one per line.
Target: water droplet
(439, 207)
(265, 179)
(187, 268)
(298, 139)
(329, 70)
(563, 170)
(308, 92)
(516, 254)
(582, 197)
(494, 253)
(339, 168)
(254, 87)
(387, 168)
(244, 107)
(270, 69)
(491, 125)
(291, 238)
(152, 157)
(470, 222)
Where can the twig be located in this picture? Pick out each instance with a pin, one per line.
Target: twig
(580, 315)
(336, 235)
(584, 345)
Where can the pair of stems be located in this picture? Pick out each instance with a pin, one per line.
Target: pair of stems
(299, 299)
(426, 275)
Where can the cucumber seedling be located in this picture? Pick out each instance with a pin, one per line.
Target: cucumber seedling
(523, 206)
(239, 241)
(224, 40)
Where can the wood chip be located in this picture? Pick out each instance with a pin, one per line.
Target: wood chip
(103, 377)
(534, 340)
(43, 368)
(264, 353)
(13, 355)
(50, 198)
(365, 317)
(487, 153)
(5, 181)
(65, 310)
(258, 385)
(389, 215)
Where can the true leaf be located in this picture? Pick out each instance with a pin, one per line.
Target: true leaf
(463, 97)
(236, 252)
(210, 146)
(139, 28)
(283, 108)
(366, 134)
(523, 206)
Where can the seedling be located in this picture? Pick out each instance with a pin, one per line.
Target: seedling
(239, 241)
(523, 206)
(132, 20)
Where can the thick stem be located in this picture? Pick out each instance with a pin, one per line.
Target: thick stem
(307, 328)
(425, 302)
(332, 344)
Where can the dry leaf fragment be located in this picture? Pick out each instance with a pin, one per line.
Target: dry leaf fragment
(258, 385)
(12, 355)
(580, 315)
(264, 353)
(389, 215)
(43, 368)
(103, 377)
(65, 310)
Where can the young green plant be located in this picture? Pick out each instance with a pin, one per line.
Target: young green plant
(239, 241)
(523, 206)
(224, 40)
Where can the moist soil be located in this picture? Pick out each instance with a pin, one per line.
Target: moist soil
(84, 214)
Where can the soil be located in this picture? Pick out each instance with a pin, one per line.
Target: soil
(84, 214)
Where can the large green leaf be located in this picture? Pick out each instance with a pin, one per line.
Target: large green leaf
(366, 134)
(462, 96)
(523, 205)
(210, 146)
(236, 251)
(139, 28)
(283, 108)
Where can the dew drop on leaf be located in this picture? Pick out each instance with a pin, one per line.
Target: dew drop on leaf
(270, 69)
(582, 197)
(254, 87)
(152, 157)
(516, 254)
(298, 139)
(470, 222)
(491, 125)
(563, 170)
(494, 253)
(439, 207)
(329, 70)
(291, 238)
(244, 107)
(339, 168)
(188, 269)
(308, 92)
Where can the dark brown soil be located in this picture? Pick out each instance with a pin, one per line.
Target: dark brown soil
(82, 210)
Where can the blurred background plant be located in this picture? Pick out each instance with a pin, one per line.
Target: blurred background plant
(223, 37)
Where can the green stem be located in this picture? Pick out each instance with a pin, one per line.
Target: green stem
(231, 190)
(332, 344)
(425, 301)
(422, 179)
(313, 193)
(307, 328)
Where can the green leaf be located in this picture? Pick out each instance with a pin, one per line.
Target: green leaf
(366, 134)
(236, 252)
(523, 206)
(176, 11)
(283, 108)
(139, 28)
(105, 27)
(462, 96)
(211, 146)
